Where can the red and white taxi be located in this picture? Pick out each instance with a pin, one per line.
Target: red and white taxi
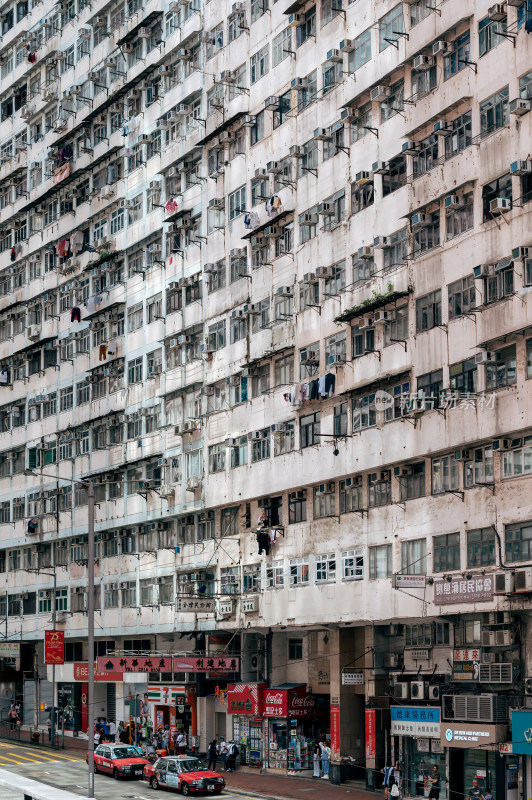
(120, 761)
(185, 773)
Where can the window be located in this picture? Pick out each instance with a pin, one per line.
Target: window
(423, 82)
(529, 359)
(154, 308)
(489, 34)
(134, 317)
(309, 430)
(229, 582)
(309, 159)
(134, 370)
(494, 112)
(363, 268)
(350, 494)
(329, 10)
(251, 578)
(261, 316)
(428, 312)
(299, 571)
(429, 389)
(362, 51)
(295, 649)
(426, 231)
(499, 188)
(308, 94)
(394, 103)
(445, 474)
(258, 8)
(504, 371)
(129, 594)
(461, 297)
(518, 461)
(237, 329)
(446, 552)
(390, 27)
(361, 197)
(362, 342)
(380, 562)
(236, 25)
(261, 380)
(481, 547)
(419, 10)
(260, 447)
(283, 110)
(380, 488)
(460, 54)
(353, 564)
(460, 219)
(478, 469)
(518, 539)
(463, 376)
(239, 452)
(332, 75)
(274, 574)
(336, 142)
(297, 507)
(325, 568)
(217, 458)
(281, 46)
(426, 156)
(237, 203)
(308, 29)
(284, 441)
(460, 137)
(284, 370)
(412, 484)
(257, 130)
(259, 64)
(324, 500)
(414, 557)
(396, 251)
(340, 420)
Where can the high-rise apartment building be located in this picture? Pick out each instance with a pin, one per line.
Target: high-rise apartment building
(265, 276)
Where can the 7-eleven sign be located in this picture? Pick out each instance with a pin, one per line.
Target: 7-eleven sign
(165, 695)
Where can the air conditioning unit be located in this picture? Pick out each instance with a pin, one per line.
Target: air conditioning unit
(379, 93)
(309, 277)
(500, 205)
(484, 357)
(410, 148)
(335, 56)
(349, 115)
(440, 47)
(380, 167)
(294, 20)
(323, 272)
(478, 707)
(521, 167)
(487, 638)
(418, 220)
(217, 204)
(523, 580)
(362, 178)
(433, 693)
(248, 121)
(347, 45)
(144, 33)
(310, 219)
(417, 690)
(299, 83)
(143, 485)
(365, 252)
(453, 201)
(401, 691)
(497, 12)
(380, 242)
(216, 102)
(60, 124)
(296, 151)
(497, 672)
(193, 484)
(322, 134)
(520, 106)
(504, 583)
(423, 62)
(34, 332)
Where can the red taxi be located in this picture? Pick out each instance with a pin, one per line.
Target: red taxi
(120, 761)
(185, 773)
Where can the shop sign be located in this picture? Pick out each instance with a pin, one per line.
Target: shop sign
(466, 664)
(183, 664)
(81, 673)
(422, 721)
(54, 647)
(522, 732)
(134, 664)
(409, 581)
(165, 695)
(423, 745)
(461, 590)
(191, 605)
(249, 604)
(301, 705)
(371, 736)
(352, 678)
(335, 732)
(275, 702)
(506, 748)
(244, 698)
(226, 607)
(460, 734)
(419, 654)
(9, 650)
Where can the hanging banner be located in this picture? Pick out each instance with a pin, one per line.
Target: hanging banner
(335, 732)
(81, 673)
(227, 664)
(371, 743)
(9, 650)
(54, 647)
(134, 664)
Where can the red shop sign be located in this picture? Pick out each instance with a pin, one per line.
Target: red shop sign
(275, 702)
(244, 698)
(54, 647)
(81, 673)
(371, 744)
(301, 705)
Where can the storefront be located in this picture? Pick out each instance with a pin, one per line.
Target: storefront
(417, 746)
(294, 720)
(473, 755)
(244, 703)
(69, 701)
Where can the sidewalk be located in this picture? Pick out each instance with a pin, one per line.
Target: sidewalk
(292, 788)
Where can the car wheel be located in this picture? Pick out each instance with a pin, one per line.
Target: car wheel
(116, 774)
(185, 788)
(154, 783)
(95, 769)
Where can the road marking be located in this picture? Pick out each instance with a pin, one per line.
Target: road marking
(19, 755)
(5, 758)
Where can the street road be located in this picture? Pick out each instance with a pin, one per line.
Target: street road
(68, 771)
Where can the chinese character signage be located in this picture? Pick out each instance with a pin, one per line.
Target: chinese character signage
(81, 673)
(466, 664)
(460, 590)
(9, 650)
(275, 702)
(415, 721)
(195, 605)
(134, 664)
(371, 737)
(54, 647)
(352, 678)
(222, 664)
(408, 581)
(244, 698)
(335, 732)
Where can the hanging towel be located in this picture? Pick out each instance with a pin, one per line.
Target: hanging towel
(321, 386)
(75, 314)
(103, 352)
(111, 347)
(330, 382)
(76, 242)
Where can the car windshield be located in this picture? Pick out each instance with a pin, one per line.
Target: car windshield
(191, 765)
(125, 752)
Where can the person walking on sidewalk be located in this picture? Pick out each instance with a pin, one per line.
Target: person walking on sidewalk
(316, 760)
(224, 752)
(231, 758)
(213, 754)
(325, 759)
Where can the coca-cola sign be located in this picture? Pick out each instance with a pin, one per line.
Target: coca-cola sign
(301, 706)
(275, 702)
(289, 702)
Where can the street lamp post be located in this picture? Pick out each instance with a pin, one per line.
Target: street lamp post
(90, 636)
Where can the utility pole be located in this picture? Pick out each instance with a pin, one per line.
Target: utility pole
(90, 636)
(52, 720)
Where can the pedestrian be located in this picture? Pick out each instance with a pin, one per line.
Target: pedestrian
(112, 731)
(213, 754)
(181, 743)
(394, 788)
(119, 730)
(476, 791)
(325, 759)
(434, 781)
(13, 717)
(388, 773)
(224, 752)
(231, 757)
(49, 726)
(316, 758)
(487, 794)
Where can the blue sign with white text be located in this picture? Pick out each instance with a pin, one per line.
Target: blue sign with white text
(522, 732)
(415, 714)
